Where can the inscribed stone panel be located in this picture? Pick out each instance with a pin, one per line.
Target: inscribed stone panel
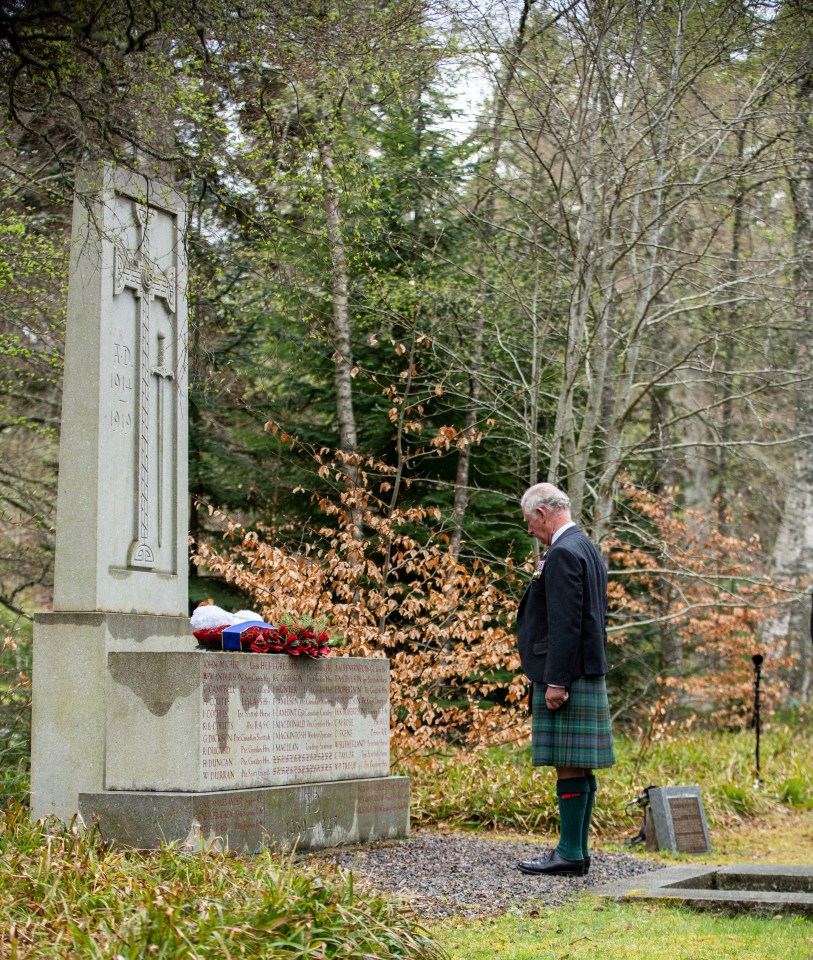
(141, 384)
(215, 721)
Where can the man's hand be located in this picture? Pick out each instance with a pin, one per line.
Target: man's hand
(555, 697)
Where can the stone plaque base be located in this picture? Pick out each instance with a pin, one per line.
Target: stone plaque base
(678, 820)
(304, 816)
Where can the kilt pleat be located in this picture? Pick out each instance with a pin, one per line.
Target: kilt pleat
(578, 734)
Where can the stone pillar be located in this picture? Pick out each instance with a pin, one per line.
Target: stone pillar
(121, 537)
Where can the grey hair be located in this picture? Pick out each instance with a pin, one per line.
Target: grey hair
(544, 495)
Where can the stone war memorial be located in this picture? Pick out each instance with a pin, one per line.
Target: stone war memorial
(133, 726)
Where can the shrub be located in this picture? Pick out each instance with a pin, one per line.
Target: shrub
(386, 581)
(15, 715)
(498, 787)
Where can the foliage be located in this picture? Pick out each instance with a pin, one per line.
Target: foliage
(33, 271)
(498, 787)
(387, 583)
(706, 593)
(384, 576)
(64, 893)
(596, 276)
(15, 713)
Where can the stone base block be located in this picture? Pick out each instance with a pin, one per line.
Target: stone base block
(303, 816)
(70, 684)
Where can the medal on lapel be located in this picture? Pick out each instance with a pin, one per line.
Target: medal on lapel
(540, 566)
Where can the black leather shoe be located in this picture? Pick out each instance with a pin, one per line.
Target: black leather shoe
(586, 866)
(553, 865)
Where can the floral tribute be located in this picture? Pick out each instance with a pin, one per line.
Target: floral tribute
(303, 636)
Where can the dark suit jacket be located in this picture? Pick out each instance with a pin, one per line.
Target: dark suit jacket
(562, 618)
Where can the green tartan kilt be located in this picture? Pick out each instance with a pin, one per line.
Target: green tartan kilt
(579, 733)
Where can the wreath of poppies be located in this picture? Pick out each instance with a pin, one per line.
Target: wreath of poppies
(297, 641)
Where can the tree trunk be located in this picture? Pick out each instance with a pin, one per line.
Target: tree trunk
(793, 552)
(341, 330)
(461, 483)
(731, 320)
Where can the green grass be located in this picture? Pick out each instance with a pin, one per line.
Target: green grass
(65, 894)
(499, 787)
(610, 931)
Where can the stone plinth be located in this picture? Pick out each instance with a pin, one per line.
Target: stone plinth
(71, 687)
(245, 821)
(196, 722)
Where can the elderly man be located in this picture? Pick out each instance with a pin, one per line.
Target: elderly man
(562, 636)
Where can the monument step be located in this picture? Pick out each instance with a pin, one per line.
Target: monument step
(302, 816)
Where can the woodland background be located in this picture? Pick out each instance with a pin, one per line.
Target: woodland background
(440, 251)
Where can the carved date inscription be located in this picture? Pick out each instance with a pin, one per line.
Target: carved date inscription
(121, 388)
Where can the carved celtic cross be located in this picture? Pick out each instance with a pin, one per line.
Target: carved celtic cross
(137, 270)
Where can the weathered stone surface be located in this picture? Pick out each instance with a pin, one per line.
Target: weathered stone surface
(738, 888)
(751, 876)
(69, 705)
(308, 816)
(216, 721)
(122, 500)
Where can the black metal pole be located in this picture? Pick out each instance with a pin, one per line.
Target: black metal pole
(757, 661)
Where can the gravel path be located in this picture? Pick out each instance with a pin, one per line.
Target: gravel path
(452, 874)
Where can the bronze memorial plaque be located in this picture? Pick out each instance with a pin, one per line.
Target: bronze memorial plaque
(687, 820)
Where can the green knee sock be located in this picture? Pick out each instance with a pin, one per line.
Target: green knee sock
(588, 812)
(573, 794)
